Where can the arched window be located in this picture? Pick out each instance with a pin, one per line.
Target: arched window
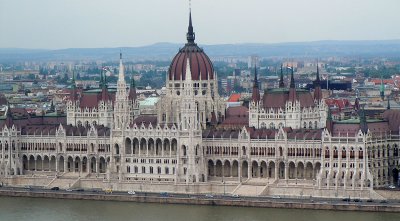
(263, 125)
(271, 126)
(327, 153)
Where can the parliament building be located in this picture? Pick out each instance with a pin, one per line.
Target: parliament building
(284, 143)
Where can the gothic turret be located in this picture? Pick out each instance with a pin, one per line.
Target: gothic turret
(121, 108)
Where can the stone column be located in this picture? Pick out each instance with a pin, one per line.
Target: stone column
(240, 171)
(223, 171)
(81, 166)
(215, 170)
(162, 148)
(65, 165)
(249, 172)
(57, 165)
(73, 164)
(147, 148)
(97, 167)
(286, 171)
(276, 171)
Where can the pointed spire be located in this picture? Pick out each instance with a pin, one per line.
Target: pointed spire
(105, 81)
(292, 84)
(188, 73)
(317, 87)
(52, 107)
(73, 95)
(318, 81)
(281, 83)
(121, 74)
(190, 36)
(363, 121)
(255, 77)
(292, 89)
(9, 118)
(256, 92)
(73, 85)
(103, 84)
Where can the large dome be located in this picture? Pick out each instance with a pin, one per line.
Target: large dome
(200, 64)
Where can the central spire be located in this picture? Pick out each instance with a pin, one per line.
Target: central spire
(190, 36)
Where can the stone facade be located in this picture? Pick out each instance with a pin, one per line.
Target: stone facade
(294, 145)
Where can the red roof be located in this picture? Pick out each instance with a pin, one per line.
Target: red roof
(377, 81)
(339, 103)
(234, 98)
(200, 65)
(237, 116)
(278, 99)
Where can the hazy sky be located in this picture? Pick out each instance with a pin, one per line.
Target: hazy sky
(114, 23)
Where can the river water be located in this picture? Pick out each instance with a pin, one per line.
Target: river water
(35, 209)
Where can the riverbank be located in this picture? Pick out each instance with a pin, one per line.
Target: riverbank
(260, 202)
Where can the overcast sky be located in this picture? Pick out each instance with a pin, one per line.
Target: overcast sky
(115, 23)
